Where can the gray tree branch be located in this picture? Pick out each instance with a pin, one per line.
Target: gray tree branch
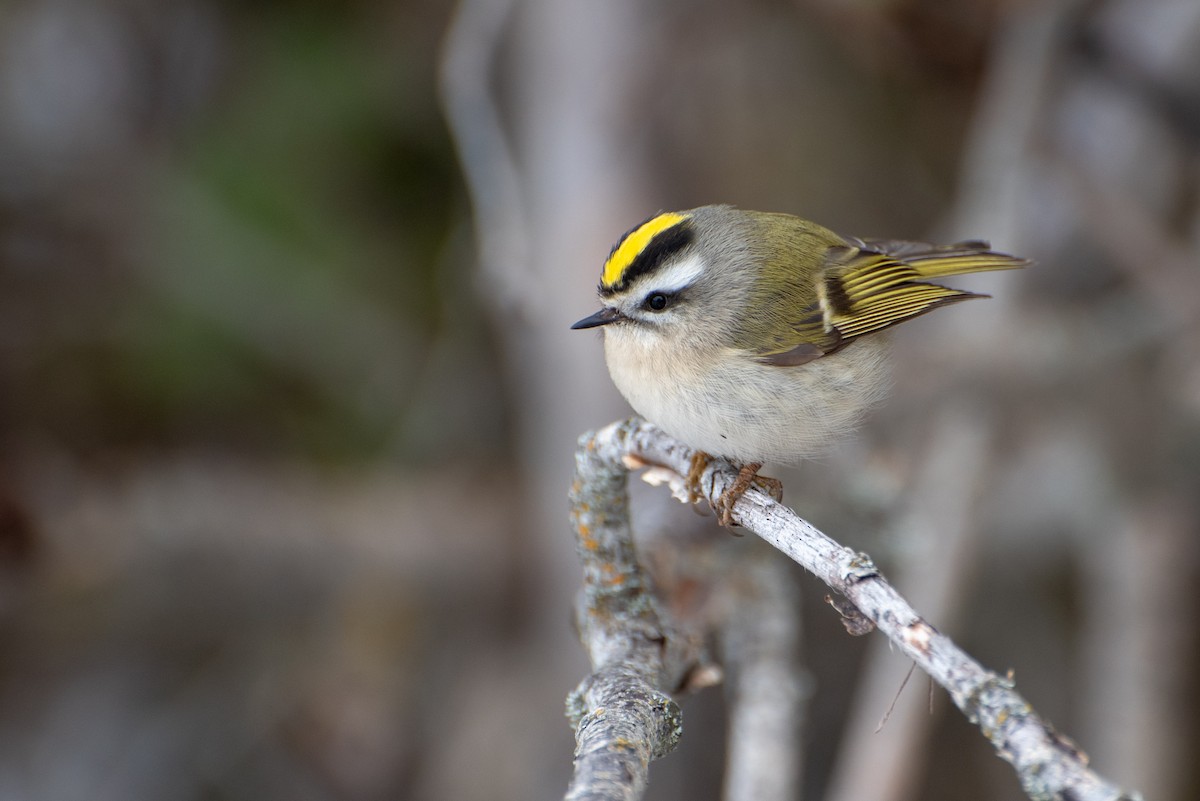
(623, 714)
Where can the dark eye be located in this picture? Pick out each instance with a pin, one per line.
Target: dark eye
(657, 301)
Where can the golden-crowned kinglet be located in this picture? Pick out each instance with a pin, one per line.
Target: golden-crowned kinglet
(755, 336)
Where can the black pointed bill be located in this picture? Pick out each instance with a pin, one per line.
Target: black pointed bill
(603, 317)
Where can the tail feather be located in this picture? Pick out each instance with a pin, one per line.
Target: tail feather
(939, 265)
(883, 282)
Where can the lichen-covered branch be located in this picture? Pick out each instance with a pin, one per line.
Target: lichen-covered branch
(623, 713)
(620, 626)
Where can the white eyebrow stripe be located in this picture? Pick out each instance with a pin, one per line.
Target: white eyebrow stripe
(679, 275)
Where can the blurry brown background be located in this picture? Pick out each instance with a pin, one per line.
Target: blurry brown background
(288, 399)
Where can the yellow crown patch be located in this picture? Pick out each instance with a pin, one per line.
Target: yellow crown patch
(628, 249)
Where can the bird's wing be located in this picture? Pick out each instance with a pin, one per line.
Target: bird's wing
(869, 285)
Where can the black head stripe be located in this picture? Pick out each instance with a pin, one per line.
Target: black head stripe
(663, 246)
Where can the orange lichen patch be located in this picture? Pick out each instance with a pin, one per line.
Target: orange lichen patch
(919, 635)
(586, 538)
(612, 575)
(633, 461)
(707, 675)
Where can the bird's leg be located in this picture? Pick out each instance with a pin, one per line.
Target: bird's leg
(746, 476)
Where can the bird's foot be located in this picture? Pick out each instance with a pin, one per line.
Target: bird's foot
(748, 476)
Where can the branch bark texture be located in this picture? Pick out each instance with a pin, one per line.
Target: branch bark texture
(623, 714)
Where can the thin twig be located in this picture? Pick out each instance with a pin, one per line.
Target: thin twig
(887, 715)
(937, 524)
(1048, 765)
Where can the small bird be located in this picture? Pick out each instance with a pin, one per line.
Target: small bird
(757, 337)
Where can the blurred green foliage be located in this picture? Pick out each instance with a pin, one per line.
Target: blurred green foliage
(273, 258)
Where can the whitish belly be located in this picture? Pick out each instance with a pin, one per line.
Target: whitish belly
(748, 412)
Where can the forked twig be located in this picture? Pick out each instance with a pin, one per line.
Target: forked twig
(623, 713)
